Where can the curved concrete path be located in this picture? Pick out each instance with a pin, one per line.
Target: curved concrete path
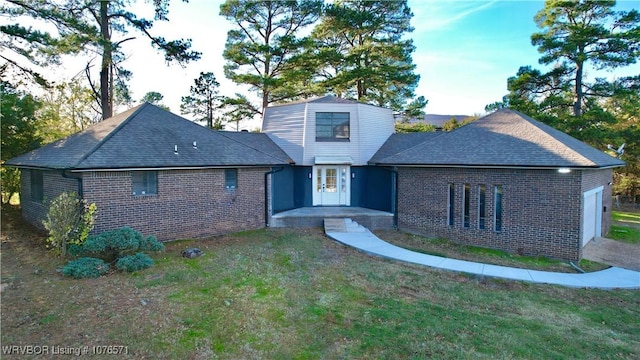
(350, 233)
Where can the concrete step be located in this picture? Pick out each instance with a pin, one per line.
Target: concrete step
(335, 225)
(311, 217)
(345, 225)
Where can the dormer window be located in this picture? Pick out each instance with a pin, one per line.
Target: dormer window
(332, 126)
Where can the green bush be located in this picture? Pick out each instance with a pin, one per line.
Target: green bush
(135, 262)
(151, 243)
(85, 267)
(69, 221)
(122, 247)
(111, 245)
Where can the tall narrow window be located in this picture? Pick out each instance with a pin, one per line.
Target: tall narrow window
(450, 207)
(144, 182)
(497, 219)
(37, 189)
(231, 178)
(481, 206)
(466, 196)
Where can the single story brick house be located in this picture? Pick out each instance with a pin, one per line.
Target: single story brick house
(504, 181)
(155, 172)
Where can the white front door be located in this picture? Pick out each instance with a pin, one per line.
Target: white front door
(331, 185)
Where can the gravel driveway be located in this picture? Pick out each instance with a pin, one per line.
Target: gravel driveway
(614, 253)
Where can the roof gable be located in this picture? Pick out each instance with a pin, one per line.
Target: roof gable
(505, 138)
(148, 137)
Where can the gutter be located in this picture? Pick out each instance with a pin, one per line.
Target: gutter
(266, 193)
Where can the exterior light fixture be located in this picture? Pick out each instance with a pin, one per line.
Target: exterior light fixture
(564, 170)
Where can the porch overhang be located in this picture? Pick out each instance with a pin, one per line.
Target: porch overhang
(333, 160)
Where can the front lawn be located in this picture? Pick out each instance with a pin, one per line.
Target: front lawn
(295, 294)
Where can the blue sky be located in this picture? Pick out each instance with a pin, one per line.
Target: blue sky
(465, 51)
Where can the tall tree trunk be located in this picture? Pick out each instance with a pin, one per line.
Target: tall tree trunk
(210, 112)
(577, 106)
(106, 100)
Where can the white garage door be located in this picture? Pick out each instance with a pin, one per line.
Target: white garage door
(591, 215)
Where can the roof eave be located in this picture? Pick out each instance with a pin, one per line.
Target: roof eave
(488, 166)
(165, 168)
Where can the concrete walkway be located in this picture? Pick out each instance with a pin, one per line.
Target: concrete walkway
(352, 234)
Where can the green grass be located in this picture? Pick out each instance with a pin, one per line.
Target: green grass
(624, 233)
(286, 296)
(294, 294)
(447, 248)
(626, 227)
(626, 217)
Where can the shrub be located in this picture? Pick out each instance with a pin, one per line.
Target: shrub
(85, 267)
(135, 262)
(122, 246)
(69, 221)
(151, 243)
(111, 245)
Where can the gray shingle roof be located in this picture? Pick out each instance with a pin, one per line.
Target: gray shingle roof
(399, 142)
(505, 138)
(327, 99)
(146, 137)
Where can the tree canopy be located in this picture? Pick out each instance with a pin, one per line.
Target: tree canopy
(578, 36)
(265, 38)
(575, 33)
(362, 52)
(204, 100)
(85, 27)
(356, 49)
(19, 128)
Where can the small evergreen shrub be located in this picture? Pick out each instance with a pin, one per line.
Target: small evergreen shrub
(151, 243)
(85, 267)
(135, 262)
(121, 247)
(111, 245)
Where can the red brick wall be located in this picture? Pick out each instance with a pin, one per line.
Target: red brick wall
(541, 208)
(189, 203)
(53, 184)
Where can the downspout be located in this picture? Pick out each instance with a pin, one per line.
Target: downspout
(79, 179)
(266, 193)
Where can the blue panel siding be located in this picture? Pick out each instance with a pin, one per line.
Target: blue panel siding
(371, 187)
(281, 184)
(378, 189)
(358, 181)
(302, 192)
